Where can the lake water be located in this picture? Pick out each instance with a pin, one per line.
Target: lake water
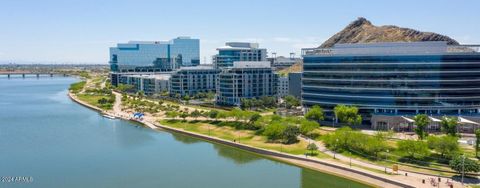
(58, 143)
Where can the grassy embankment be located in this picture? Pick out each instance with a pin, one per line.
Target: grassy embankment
(226, 130)
(91, 92)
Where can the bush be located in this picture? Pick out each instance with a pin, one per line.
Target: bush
(274, 130)
(306, 126)
(290, 134)
(315, 113)
(462, 163)
(413, 149)
(347, 114)
(446, 146)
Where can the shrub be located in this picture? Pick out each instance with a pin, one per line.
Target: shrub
(446, 146)
(413, 149)
(462, 163)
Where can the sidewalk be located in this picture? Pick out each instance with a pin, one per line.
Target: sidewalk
(412, 176)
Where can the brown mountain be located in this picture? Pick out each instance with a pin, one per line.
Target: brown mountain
(363, 31)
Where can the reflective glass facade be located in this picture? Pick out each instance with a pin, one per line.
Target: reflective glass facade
(446, 82)
(155, 56)
(238, 51)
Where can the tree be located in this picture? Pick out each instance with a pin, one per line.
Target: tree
(347, 114)
(186, 98)
(449, 125)
(141, 94)
(245, 103)
(307, 126)
(223, 115)
(195, 114)
(274, 130)
(421, 121)
(312, 147)
(102, 101)
(477, 142)
(178, 96)
(374, 145)
(315, 113)
(446, 146)
(413, 149)
(213, 114)
(291, 101)
(210, 96)
(237, 114)
(184, 115)
(342, 138)
(172, 114)
(290, 134)
(464, 164)
(125, 87)
(254, 117)
(268, 102)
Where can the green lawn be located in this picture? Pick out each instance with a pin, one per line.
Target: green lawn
(93, 100)
(243, 136)
(77, 87)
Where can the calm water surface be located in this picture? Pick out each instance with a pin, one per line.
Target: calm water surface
(44, 135)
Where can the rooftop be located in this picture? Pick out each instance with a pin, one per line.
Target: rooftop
(164, 76)
(199, 67)
(239, 46)
(251, 64)
(152, 42)
(393, 48)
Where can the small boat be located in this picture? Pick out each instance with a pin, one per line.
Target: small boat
(108, 116)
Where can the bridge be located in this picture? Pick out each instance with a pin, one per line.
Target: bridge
(37, 74)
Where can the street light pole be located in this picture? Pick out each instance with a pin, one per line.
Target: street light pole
(463, 167)
(350, 159)
(386, 155)
(335, 148)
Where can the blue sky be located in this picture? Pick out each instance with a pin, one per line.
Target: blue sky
(80, 31)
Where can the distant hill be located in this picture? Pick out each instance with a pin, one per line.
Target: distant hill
(363, 31)
(297, 67)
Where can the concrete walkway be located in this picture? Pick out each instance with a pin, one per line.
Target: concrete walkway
(411, 175)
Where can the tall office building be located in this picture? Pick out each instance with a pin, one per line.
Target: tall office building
(246, 79)
(295, 84)
(157, 56)
(282, 86)
(238, 51)
(192, 80)
(394, 80)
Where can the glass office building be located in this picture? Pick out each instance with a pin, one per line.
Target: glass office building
(238, 51)
(157, 56)
(396, 79)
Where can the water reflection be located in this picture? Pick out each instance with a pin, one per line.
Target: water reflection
(235, 155)
(127, 138)
(185, 139)
(314, 179)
